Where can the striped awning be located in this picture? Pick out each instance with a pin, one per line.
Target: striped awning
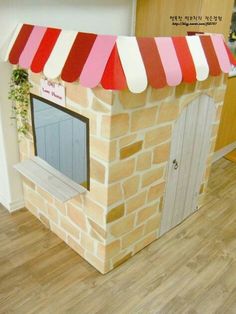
(118, 62)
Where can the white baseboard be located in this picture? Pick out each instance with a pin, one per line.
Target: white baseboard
(224, 151)
(12, 206)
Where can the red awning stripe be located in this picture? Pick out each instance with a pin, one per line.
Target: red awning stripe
(211, 56)
(185, 59)
(77, 57)
(152, 62)
(20, 43)
(45, 49)
(119, 62)
(114, 76)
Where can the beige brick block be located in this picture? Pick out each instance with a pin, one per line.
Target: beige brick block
(94, 211)
(97, 170)
(187, 99)
(114, 194)
(77, 94)
(185, 88)
(103, 149)
(31, 150)
(58, 231)
(24, 146)
(96, 262)
(136, 202)
(78, 201)
(29, 183)
(45, 195)
(130, 100)
(103, 95)
(126, 140)
(86, 242)
(161, 204)
(121, 258)
(52, 213)
(215, 129)
(77, 216)
(115, 126)
(152, 175)
(100, 107)
(109, 250)
(218, 81)
(219, 95)
(60, 206)
(168, 112)
(34, 78)
(207, 173)
(96, 236)
(31, 208)
(69, 227)
(115, 213)
(75, 246)
(131, 149)
(98, 192)
(121, 170)
(44, 220)
(161, 93)
(206, 84)
(143, 118)
(153, 224)
(156, 191)
(161, 153)
(145, 213)
(130, 186)
(92, 121)
(218, 113)
(132, 237)
(157, 136)
(145, 242)
(36, 200)
(98, 229)
(122, 226)
(144, 161)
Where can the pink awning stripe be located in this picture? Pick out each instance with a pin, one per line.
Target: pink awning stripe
(94, 67)
(221, 53)
(169, 60)
(31, 46)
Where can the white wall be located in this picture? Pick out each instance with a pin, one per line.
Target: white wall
(99, 16)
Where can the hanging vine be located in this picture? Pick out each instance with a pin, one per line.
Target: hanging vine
(19, 95)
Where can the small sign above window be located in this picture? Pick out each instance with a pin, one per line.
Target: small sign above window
(53, 92)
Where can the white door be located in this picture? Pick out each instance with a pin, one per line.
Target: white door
(189, 151)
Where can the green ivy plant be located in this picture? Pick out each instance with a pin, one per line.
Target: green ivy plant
(19, 95)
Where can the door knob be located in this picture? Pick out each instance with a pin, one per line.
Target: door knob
(175, 163)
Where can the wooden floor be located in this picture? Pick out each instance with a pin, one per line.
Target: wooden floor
(192, 269)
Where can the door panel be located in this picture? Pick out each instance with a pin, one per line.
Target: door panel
(189, 151)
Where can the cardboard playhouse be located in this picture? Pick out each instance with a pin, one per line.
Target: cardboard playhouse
(122, 134)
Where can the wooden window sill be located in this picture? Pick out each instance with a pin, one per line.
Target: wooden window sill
(49, 179)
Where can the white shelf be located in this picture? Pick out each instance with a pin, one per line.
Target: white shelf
(49, 179)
